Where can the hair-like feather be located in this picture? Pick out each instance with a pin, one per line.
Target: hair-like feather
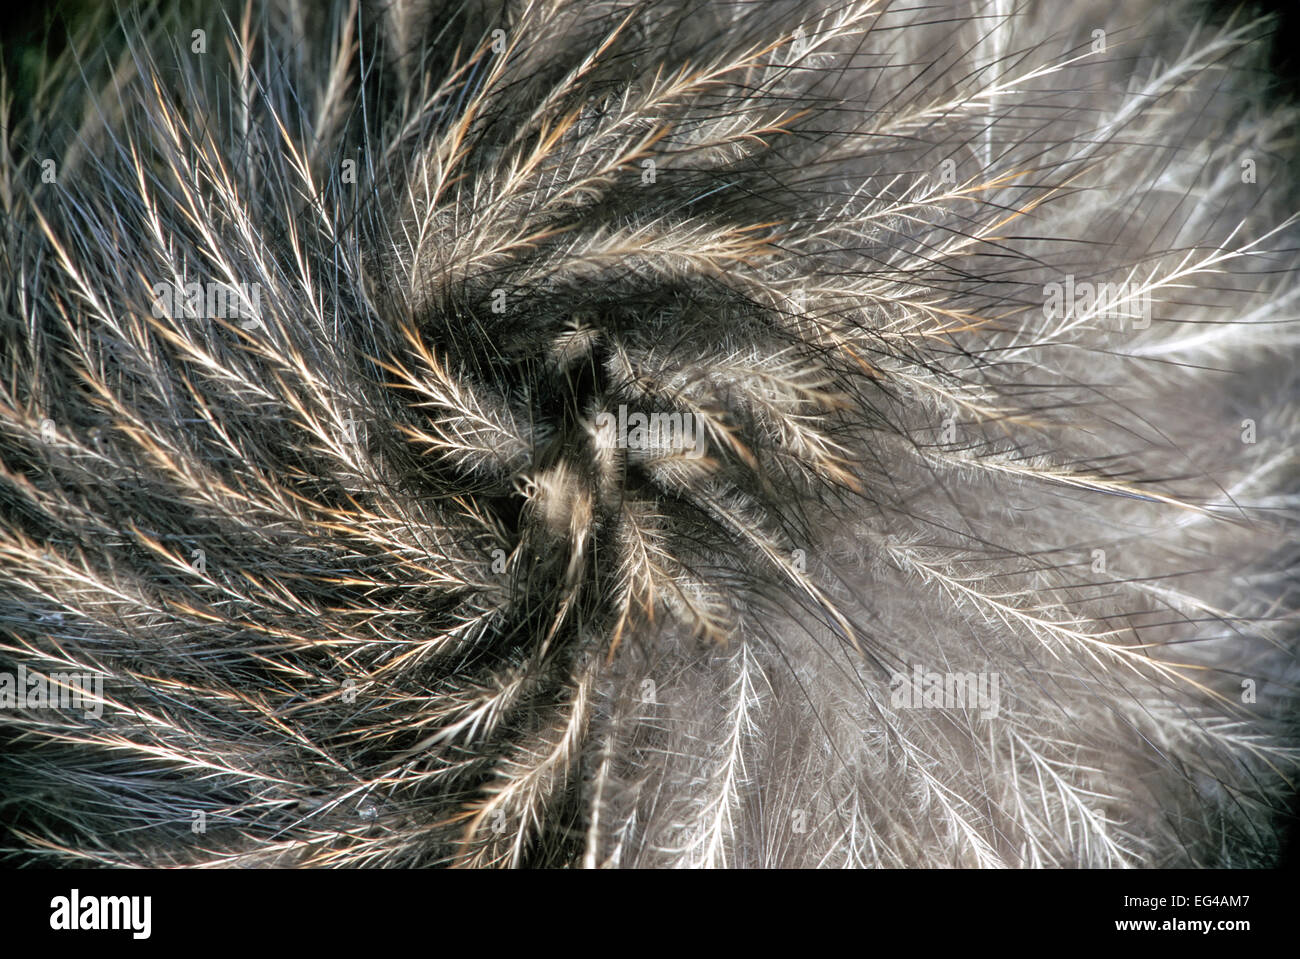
(375, 569)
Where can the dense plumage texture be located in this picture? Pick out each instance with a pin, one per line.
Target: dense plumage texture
(444, 615)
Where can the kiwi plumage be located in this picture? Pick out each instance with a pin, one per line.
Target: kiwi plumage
(650, 434)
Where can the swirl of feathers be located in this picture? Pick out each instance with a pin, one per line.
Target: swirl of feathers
(371, 571)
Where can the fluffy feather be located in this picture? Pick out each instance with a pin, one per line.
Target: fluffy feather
(445, 613)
